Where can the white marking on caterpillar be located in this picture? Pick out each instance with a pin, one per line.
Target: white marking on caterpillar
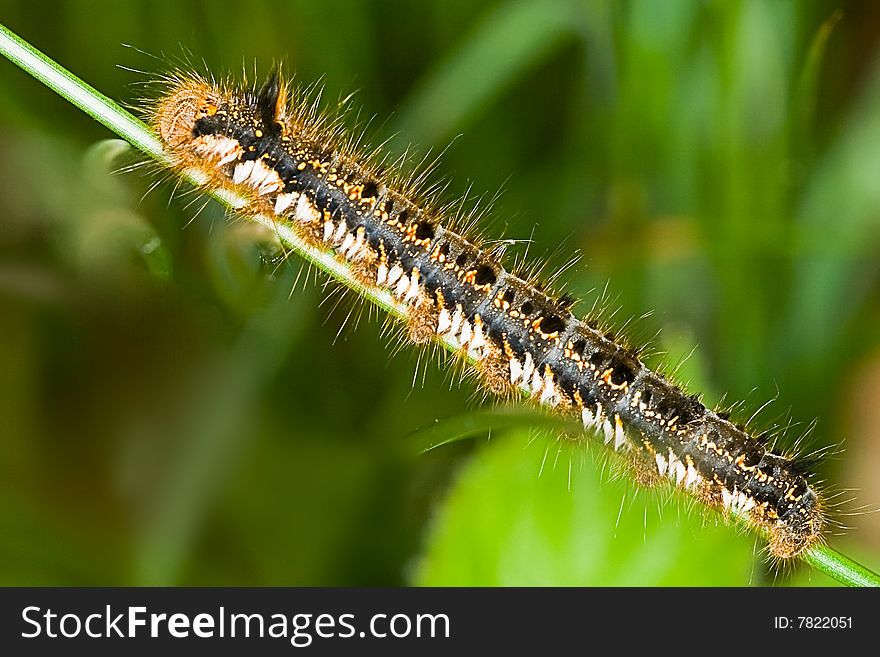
(347, 243)
(528, 367)
(466, 333)
(536, 383)
(444, 321)
(414, 290)
(395, 273)
(358, 249)
(587, 417)
(608, 430)
(223, 149)
(284, 201)
(242, 171)
(340, 232)
(661, 463)
(516, 370)
(479, 339)
(306, 212)
(263, 179)
(619, 433)
(549, 396)
(726, 498)
(230, 156)
(680, 472)
(457, 319)
(402, 285)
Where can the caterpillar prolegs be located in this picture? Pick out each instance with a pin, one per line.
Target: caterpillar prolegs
(291, 166)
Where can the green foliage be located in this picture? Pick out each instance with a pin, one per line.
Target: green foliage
(170, 416)
(542, 513)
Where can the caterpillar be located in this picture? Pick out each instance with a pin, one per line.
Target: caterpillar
(267, 145)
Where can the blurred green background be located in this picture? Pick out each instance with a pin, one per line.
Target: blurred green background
(171, 413)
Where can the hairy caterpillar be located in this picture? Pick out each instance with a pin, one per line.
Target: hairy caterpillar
(291, 166)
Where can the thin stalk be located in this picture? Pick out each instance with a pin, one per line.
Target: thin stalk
(117, 119)
(840, 567)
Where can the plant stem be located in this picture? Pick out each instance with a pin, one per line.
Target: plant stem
(110, 114)
(840, 567)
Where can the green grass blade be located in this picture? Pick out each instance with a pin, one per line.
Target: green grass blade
(85, 97)
(840, 567)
